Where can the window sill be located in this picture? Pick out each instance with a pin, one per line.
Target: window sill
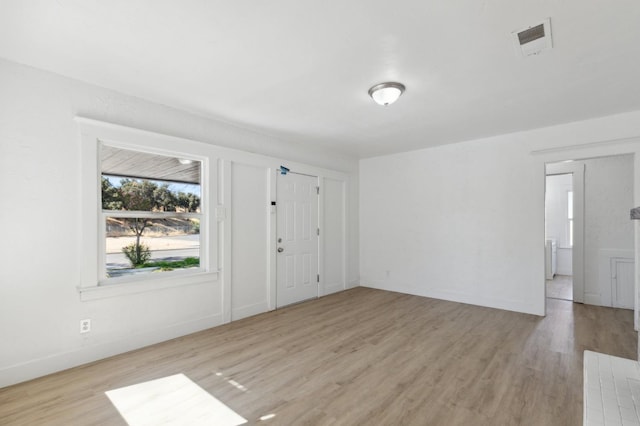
(134, 286)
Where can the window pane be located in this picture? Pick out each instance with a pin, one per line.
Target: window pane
(144, 165)
(120, 193)
(150, 245)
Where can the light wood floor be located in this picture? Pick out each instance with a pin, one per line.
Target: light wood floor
(560, 287)
(359, 357)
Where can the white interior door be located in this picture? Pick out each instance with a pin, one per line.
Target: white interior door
(297, 238)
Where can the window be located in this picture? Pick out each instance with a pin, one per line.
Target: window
(146, 194)
(151, 214)
(570, 216)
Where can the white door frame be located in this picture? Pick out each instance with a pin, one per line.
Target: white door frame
(577, 172)
(593, 149)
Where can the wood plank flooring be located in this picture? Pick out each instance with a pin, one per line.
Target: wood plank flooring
(560, 287)
(359, 357)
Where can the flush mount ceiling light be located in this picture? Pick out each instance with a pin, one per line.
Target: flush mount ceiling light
(386, 93)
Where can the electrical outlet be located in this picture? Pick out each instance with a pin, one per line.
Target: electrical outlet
(85, 326)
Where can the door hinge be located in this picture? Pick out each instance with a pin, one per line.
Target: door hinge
(318, 277)
(318, 190)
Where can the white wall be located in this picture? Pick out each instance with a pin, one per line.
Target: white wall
(465, 222)
(40, 170)
(334, 197)
(557, 224)
(250, 217)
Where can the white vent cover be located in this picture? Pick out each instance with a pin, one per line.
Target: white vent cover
(534, 39)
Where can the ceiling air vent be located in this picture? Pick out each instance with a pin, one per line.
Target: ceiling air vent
(534, 39)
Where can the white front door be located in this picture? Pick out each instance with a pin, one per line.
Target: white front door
(297, 238)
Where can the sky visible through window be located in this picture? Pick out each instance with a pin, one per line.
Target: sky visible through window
(175, 187)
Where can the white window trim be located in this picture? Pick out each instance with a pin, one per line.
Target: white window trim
(92, 134)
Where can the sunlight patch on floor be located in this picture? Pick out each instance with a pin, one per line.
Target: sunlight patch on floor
(173, 400)
(267, 417)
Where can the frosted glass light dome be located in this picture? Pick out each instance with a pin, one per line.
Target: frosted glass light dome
(386, 93)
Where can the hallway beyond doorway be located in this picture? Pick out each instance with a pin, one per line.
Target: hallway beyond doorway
(560, 287)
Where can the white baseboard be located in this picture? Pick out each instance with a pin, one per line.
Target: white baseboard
(459, 297)
(61, 361)
(332, 288)
(593, 299)
(353, 284)
(250, 310)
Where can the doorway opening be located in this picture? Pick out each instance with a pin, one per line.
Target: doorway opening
(591, 198)
(559, 235)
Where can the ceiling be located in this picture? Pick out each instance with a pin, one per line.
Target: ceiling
(136, 164)
(300, 70)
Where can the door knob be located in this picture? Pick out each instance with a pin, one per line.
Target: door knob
(280, 249)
